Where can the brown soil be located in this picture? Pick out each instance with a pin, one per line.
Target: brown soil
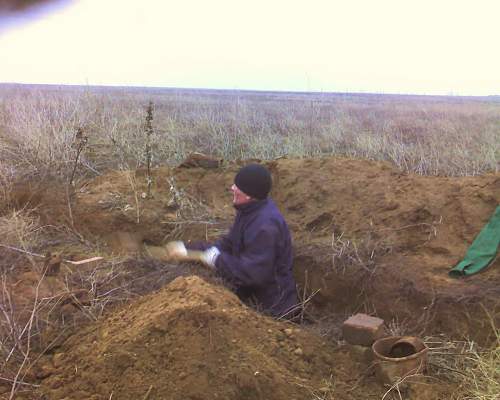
(195, 340)
(399, 235)
(191, 340)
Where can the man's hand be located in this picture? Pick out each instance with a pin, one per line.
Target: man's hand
(176, 250)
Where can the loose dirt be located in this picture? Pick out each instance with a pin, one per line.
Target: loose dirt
(367, 238)
(195, 340)
(191, 340)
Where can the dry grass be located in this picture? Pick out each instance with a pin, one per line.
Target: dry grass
(357, 254)
(475, 370)
(482, 381)
(20, 228)
(486, 377)
(425, 135)
(6, 183)
(17, 325)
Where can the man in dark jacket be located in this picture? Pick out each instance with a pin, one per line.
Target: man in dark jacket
(256, 255)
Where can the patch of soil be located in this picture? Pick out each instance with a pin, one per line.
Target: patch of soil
(196, 340)
(410, 231)
(192, 340)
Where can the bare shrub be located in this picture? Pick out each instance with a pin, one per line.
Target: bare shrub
(189, 211)
(17, 335)
(20, 228)
(7, 175)
(350, 255)
(149, 132)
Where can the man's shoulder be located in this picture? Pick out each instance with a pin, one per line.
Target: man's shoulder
(270, 210)
(269, 217)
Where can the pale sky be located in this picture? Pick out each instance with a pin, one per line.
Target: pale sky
(388, 46)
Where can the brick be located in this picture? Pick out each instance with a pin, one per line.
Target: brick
(362, 329)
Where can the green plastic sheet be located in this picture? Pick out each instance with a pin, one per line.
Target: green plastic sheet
(482, 251)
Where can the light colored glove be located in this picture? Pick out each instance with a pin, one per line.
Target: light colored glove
(176, 250)
(209, 256)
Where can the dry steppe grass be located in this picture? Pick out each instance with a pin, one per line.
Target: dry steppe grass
(450, 136)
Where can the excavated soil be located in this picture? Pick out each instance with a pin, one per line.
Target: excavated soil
(367, 238)
(191, 340)
(196, 340)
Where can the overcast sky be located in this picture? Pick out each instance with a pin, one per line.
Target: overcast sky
(389, 46)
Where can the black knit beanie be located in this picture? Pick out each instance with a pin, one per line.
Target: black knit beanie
(254, 180)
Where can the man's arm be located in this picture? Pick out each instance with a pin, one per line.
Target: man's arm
(255, 265)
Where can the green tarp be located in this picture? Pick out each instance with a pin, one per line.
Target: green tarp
(482, 251)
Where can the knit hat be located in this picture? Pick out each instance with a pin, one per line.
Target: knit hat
(254, 180)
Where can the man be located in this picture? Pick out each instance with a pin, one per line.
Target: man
(256, 255)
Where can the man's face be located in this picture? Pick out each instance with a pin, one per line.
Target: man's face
(239, 198)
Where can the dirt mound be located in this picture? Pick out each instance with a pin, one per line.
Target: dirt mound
(192, 340)
(196, 340)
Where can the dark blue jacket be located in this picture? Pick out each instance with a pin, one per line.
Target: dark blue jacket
(256, 257)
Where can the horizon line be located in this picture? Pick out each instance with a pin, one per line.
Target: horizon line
(283, 91)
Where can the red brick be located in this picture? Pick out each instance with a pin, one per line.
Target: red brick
(362, 329)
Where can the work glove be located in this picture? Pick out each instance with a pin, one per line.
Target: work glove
(209, 256)
(176, 250)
